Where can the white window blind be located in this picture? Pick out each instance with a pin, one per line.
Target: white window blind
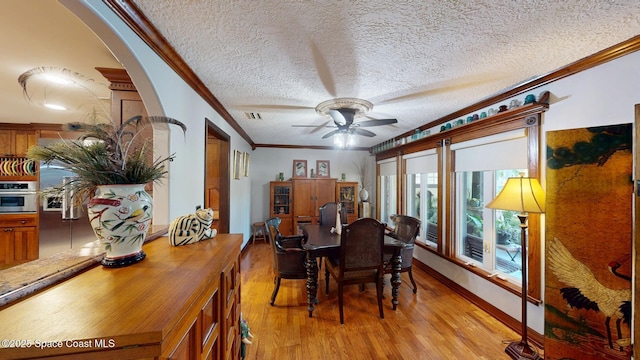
(387, 167)
(422, 162)
(497, 152)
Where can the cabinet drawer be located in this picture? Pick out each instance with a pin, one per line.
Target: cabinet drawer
(18, 220)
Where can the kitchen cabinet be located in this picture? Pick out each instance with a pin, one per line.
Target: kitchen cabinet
(281, 205)
(16, 142)
(178, 303)
(347, 193)
(308, 196)
(18, 239)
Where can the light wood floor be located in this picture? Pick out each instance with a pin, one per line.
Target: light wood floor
(435, 323)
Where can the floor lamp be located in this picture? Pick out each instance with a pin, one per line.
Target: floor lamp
(525, 195)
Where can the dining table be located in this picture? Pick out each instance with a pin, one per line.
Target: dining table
(322, 241)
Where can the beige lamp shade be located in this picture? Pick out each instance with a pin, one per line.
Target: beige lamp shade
(521, 194)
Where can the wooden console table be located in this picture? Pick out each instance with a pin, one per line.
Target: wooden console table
(179, 302)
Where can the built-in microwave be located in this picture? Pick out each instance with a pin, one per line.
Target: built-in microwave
(18, 197)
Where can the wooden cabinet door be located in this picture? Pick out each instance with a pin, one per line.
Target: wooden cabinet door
(6, 142)
(303, 197)
(18, 244)
(325, 192)
(16, 142)
(23, 140)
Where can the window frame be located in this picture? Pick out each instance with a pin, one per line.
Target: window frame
(528, 118)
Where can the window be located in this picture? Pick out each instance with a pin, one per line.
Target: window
(421, 196)
(388, 190)
(491, 238)
(488, 238)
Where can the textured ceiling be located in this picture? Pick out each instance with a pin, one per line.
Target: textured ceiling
(416, 61)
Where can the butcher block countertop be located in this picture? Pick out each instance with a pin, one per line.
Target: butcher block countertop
(124, 311)
(25, 279)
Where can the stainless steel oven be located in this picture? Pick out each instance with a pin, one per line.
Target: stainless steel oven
(18, 197)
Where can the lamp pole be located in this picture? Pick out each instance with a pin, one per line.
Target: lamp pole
(522, 350)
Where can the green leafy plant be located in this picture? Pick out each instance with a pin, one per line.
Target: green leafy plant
(474, 224)
(105, 154)
(507, 226)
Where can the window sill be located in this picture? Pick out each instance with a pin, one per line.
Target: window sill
(512, 288)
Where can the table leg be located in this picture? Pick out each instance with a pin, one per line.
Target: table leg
(312, 282)
(396, 280)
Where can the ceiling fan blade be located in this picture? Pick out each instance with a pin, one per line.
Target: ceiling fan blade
(325, 125)
(314, 126)
(369, 123)
(324, 72)
(271, 107)
(343, 116)
(330, 134)
(364, 132)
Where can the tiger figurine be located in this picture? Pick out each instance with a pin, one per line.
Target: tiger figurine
(191, 228)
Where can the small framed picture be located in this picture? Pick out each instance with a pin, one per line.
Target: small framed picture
(237, 164)
(299, 169)
(245, 163)
(322, 169)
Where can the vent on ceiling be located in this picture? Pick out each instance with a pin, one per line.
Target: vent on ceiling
(253, 116)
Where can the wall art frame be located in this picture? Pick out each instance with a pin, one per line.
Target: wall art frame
(323, 169)
(299, 169)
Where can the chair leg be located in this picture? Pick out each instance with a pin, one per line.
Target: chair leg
(415, 287)
(379, 293)
(340, 303)
(275, 292)
(326, 280)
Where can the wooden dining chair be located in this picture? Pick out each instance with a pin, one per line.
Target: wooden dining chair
(328, 213)
(288, 256)
(406, 229)
(360, 260)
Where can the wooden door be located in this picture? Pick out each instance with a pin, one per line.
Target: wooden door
(212, 180)
(304, 198)
(325, 192)
(217, 176)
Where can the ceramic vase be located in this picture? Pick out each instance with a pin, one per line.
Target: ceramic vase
(364, 194)
(120, 216)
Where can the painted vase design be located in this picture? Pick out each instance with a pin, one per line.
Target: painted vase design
(364, 194)
(120, 216)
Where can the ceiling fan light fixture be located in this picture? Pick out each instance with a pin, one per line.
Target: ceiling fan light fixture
(344, 139)
(361, 107)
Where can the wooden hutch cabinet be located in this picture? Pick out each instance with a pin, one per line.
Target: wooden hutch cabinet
(347, 196)
(308, 196)
(281, 205)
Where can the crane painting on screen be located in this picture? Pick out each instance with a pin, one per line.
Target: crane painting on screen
(584, 291)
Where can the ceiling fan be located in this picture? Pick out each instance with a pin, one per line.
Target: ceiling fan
(343, 112)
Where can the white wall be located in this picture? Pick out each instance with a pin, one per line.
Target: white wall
(267, 163)
(604, 95)
(165, 93)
